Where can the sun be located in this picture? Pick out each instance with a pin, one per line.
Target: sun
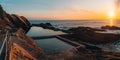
(111, 14)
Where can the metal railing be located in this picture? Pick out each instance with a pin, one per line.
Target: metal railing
(4, 44)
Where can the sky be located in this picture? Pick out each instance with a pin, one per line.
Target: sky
(59, 9)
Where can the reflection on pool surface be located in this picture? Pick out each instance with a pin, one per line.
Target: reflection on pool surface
(38, 31)
(53, 45)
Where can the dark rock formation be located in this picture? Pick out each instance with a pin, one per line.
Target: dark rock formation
(20, 46)
(110, 27)
(84, 30)
(87, 34)
(27, 46)
(14, 21)
(2, 12)
(46, 26)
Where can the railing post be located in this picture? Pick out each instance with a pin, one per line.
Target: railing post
(3, 45)
(6, 54)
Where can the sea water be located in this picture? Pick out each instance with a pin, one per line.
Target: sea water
(66, 24)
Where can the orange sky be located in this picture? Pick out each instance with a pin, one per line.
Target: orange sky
(60, 9)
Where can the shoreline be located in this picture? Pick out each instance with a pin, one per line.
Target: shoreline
(86, 34)
(81, 47)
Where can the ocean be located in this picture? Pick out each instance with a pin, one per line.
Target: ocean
(66, 24)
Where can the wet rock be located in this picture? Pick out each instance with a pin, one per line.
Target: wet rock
(98, 38)
(93, 49)
(84, 30)
(110, 27)
(87, 34)
(46, 26)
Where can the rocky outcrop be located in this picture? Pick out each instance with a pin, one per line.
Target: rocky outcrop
(20, 46)
(86, 34)
(19, 53)
(14, 21)
(2, 12)
(90, 35)
(25, 46)
(110, 27)
(46, 26)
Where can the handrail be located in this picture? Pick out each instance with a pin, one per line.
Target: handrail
(5, 40)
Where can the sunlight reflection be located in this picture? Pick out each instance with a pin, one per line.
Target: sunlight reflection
(111, 22)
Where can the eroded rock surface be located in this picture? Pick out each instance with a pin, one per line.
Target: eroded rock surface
(14, 21)
(20, 46)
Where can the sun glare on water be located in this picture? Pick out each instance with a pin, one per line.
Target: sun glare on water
(111, 17)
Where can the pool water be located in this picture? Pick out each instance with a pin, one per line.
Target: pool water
(38, 31)
(53, 45)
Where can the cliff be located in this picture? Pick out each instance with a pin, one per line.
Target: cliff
(24, 47)
(20, 46)
(14, 21)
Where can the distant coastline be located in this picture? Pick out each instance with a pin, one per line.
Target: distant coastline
(66, 24)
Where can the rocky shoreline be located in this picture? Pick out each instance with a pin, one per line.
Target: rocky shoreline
(19, 46)
(86, 34)
(22, 47)
(81, 35)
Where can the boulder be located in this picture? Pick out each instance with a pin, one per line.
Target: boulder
(88, 34)
(110, 27)
(14, 21)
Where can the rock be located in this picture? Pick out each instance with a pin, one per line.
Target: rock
(88, 34)
(14, 21)
(20, 46)
(28, 44)
(18, 53)
(21, 22)
(2, 12)
(110, 27)
(80, 30)
(46, 26)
